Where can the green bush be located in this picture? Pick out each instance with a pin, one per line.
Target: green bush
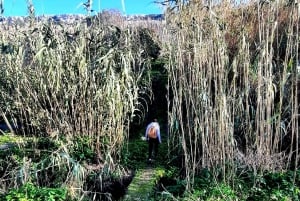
(267, 186)
(30, 192)
(82, 150)
(276, 186)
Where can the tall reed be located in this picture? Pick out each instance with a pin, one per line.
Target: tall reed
(68, 82)
(230, 68)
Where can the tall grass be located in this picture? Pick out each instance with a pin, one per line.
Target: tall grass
(232, 76)
(68, 82)
(231, 69)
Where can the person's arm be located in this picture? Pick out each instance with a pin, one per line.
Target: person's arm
(158, 134)
(146, 133)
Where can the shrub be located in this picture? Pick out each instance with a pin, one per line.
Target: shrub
(30, 192)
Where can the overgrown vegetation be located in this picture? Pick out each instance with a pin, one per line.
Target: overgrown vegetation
(31, 193)
(245, 186)
(230, 77)
(74, 88)
(78, 95)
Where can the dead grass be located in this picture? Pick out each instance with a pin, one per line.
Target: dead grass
(228, 67)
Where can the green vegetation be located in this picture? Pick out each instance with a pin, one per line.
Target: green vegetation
(269, 186)
(222, 79)
(29, 192)
(8, 138)
(142, 185)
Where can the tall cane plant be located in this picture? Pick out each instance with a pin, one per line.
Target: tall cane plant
(70, 82)
(229, 80)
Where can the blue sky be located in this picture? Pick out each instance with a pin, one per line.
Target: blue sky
(51, 7)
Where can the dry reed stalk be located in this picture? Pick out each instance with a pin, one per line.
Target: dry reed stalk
(221, 87)
(67, 82)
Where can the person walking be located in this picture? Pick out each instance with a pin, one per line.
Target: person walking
(153, 137)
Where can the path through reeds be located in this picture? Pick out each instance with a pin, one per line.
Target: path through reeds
(142, 185)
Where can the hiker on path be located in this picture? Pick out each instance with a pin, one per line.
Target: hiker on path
(153, 137)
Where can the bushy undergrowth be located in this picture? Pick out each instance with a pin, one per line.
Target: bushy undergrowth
(281, 186)
(30, 192)
(40, 168)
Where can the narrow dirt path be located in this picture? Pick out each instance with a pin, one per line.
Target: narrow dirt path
(142, 185)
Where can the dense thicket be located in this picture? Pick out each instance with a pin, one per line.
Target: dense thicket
(77, 85)
(233, 72)
(232, 76)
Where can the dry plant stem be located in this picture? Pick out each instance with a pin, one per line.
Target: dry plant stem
(75, 82)
(208, 105)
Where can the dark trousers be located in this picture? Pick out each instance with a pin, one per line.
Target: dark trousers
(153, 146)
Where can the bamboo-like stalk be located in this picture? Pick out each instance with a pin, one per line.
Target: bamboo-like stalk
(71, 82)
(225, 104)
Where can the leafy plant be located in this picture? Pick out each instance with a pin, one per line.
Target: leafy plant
(30, 192)
(82, 149)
